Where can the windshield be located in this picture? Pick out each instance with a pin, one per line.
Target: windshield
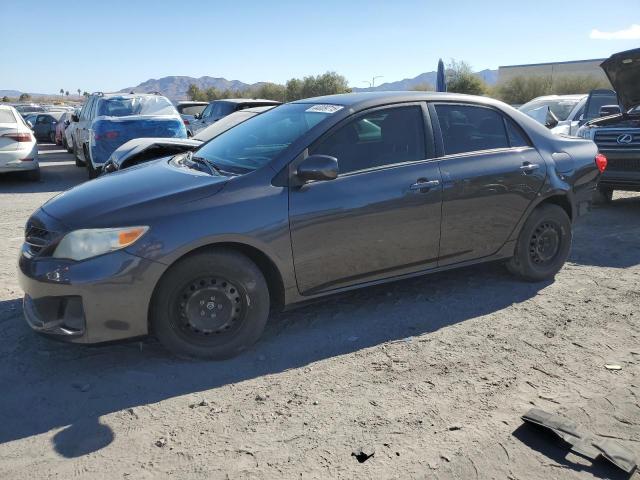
(125, 106)
(560, 108)
(257, 141)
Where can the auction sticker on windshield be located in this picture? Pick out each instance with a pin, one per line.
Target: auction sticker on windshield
(324, 108)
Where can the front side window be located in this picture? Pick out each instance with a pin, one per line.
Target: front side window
(467, 128)
(382, 137)
(257, 141)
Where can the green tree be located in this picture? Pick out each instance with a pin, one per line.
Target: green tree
(25, 97)
(194, 93)
(519, 90)
(5, 99)
(79, 92)
(462, 79)
(67, 93)
(293, 89)
(62, 91)
(270, 91)
(85, 94)
(328, 83)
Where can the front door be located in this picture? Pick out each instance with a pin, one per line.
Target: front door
(490, 172)
(381, 216)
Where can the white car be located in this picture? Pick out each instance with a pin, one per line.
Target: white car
(18, 147)
(566, 109)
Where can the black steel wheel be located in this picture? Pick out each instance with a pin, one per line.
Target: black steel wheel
(543, 245)
(213, 304)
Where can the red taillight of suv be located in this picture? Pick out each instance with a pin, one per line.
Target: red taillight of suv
(22, 137)
(109, 135)
(601, 162)
(186, 122)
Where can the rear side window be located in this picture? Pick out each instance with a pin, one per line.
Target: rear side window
(190, 109)
(517, 138)
(467, 128)
(6, 116)
(383, 137)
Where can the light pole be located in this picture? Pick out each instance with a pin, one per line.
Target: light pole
(372, 83)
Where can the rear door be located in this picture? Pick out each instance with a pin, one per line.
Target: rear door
(381, 216)
(42, 126)
(490, 172)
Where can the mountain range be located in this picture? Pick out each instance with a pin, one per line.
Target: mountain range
(175, 87)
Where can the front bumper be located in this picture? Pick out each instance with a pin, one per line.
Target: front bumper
(623, 171)
(97, 300)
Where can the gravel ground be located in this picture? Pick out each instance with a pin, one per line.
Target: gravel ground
(432, 374)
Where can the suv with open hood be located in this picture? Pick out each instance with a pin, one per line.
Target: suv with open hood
(108, 120)
(617, 133)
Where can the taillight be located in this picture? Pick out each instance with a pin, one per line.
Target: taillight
(109, 135)
(186, 122)
(19, 137)
(601, 162)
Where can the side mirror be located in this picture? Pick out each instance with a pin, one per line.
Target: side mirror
(607, 110)
(67, 123)
(74, 118)
(30, 124)
(318, 167)
(198, 116)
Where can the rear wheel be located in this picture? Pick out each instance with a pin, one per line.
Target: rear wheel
(543, 245)
(213, 305)
(79, 163)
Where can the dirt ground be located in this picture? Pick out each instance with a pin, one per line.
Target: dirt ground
(432, 374)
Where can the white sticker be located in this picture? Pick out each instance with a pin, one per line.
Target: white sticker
(325, 108)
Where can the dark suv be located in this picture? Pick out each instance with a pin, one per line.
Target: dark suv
(308, 199)
(617, 133)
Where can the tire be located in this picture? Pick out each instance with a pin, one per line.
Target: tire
(603, 195)
(79, 163)
(93, 171)
(33, 175)
(231, 285)
(543, 245)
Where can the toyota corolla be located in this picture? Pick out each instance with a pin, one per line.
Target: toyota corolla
(308, 199)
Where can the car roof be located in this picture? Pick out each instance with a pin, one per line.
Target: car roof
(126, 95)
(191, 102)
(560, 97)
(368, 99)
(246, 100)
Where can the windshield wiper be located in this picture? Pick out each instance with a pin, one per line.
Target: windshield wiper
(203, 162)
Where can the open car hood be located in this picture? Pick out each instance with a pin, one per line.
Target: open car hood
(140, 150)
(623, 71)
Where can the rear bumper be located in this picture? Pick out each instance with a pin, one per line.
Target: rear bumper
(102, 299)
(13, 160)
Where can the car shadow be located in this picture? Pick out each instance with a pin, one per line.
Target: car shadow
(617, 227)
(552, 447)
(51, 384)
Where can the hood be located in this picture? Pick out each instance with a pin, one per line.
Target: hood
(147, 190)
(623, 71)
(161, 147)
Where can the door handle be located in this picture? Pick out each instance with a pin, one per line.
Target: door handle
(424, 185)
(529, 167)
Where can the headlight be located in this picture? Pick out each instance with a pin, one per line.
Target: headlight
(82, 244)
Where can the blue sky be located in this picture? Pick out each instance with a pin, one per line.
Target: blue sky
(96, 45)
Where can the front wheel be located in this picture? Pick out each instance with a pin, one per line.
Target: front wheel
(543, 245)
(213, 305)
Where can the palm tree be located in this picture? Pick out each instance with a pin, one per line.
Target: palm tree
(62, 92)
(79, 92)
(67, 93)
